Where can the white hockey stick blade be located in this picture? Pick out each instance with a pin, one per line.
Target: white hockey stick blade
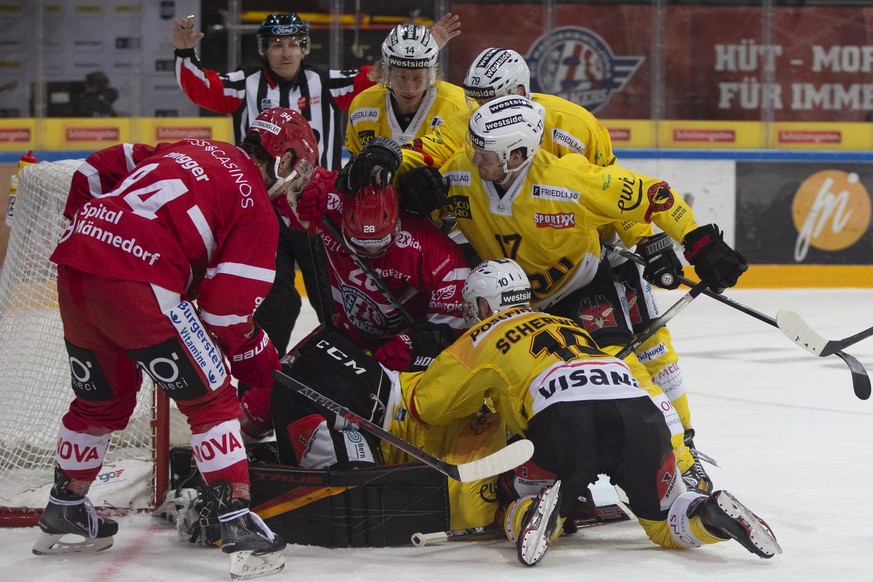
(509, 457)
(793, 326)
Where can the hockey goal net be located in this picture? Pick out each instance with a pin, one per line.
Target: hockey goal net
(35, 386)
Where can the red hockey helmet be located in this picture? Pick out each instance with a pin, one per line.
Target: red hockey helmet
(279, 130)
(371, 219)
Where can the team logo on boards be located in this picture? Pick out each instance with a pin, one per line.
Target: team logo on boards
(577, 64)
(831, 212)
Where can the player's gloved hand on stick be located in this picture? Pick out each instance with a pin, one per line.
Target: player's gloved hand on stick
(663, 267)
(312, 203)
(396, 353)
(254, 362)
(714, 261)
(428, 340)
(378, 161)
(422, 190)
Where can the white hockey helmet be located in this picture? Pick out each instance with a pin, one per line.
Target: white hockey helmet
(507, 124)
(502, 283)
(410, 46)
(496, 72)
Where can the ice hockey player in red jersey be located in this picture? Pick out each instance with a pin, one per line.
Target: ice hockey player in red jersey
(421, 268)
(152, 230)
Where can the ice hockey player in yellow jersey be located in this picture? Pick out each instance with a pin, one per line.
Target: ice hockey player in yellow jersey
(410, 99)
(513, 199)
(583, 410)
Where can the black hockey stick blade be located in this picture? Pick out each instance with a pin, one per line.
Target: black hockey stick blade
(860, 378)
(509, 457)
(797, 330)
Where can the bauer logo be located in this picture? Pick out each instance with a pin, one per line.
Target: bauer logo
(553, 193)
(830, 211)
(577, 64)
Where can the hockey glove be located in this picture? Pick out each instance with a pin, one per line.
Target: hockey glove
(396, 353)
(663, 267)
(312, 203)
(717, 264)
(378, 161)
(422, 190)
(255, 361)
(428, 340)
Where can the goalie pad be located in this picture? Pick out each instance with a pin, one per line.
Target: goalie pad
(367, 507)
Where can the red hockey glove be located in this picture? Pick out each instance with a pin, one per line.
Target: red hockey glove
(714, 261)
(255, 361)
(312, 203)
(396, 353)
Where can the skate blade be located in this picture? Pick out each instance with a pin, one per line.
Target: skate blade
(760, 534)
(246, 565)
(534, 542)
(58, 544)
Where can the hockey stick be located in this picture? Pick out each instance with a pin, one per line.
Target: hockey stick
(602, 515)
(657, 324)
(800, 333)
(860, 379)
(509, 457)
(371, 273)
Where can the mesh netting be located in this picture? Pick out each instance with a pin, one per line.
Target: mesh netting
(34, 373)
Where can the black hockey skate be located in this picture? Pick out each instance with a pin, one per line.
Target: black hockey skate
(69, 523)
(539, 525)
(695, 477)
(726, 517)
(254, 550)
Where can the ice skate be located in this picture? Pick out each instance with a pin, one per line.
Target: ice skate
(69, 524)
(724, 516)
(539, 525)
(254, 549)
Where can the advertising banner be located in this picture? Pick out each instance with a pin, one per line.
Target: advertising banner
(695, 62)
(794, 213)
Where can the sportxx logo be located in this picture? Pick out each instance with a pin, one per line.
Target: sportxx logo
(560, 220)
(577, 64)
(831, 212)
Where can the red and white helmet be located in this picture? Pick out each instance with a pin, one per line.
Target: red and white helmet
(279, 130)
(410, 46)
(371, 219)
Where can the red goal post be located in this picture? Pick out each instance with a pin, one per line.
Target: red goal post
(35, 375)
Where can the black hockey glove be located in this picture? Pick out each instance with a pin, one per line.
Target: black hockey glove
(663, 267)
(422, 190)
(714, 261)
(428, 340)
(378, 161)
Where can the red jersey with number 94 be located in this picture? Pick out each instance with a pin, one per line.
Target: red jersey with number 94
(192, 216)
